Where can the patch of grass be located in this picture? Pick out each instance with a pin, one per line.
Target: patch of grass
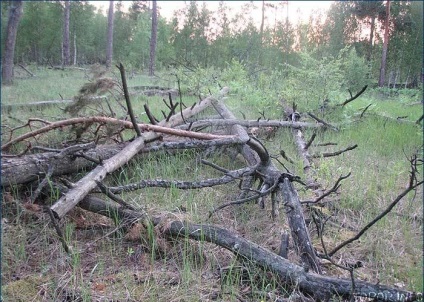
(107, 265)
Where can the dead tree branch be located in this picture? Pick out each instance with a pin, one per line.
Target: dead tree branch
(332, 190)
(105, 190)
(127, 99)
(251, 123)
(152, 119)
(412, 185)
(298, 227)
(322, 121)
(309, 143)
(89, 182)
(319, 286)
(29, 72)
(109, 120)
(363, 111)
(330, 154)
(354, 97)
(183, 185)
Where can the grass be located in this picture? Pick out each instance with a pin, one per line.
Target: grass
(143, 266)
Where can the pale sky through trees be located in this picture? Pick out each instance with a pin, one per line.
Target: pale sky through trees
(298, 10)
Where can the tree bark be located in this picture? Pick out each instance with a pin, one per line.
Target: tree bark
(66, 53)
(109, 45)
(21, 170)
(319, 286)
(369, 53)
(153, 39)
(251, 157)
(89, 182)
(299, 231)
(75, 49)
(15, 13)
(27, 168)
(385, 45)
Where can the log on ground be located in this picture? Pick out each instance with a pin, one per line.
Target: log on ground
(319, 286)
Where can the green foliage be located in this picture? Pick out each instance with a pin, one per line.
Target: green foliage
(199, 37)
(313, 80)
(354, 69)
(38, 39)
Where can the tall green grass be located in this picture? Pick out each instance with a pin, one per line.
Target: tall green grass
(153, 270)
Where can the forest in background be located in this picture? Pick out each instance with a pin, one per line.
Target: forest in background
(301, 99)
(349, 38)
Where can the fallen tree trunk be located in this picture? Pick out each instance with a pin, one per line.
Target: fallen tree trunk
(89, 182)
(24, 169)
(271, 178)
(32, 167)
(319, 286)
(7, 108)
(27, 168)
(254, 123)
(299, 231)
(251, 157)
(302, 147)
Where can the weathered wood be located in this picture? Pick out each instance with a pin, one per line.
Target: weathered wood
(271, 177)
(109, 120)
(319, 286)
(299, 231)
(251, 157)
(24, 169)
(254, 123)
(158, 92)
(7, 108)
(304, 154)
(89, 182)
(31, 167)
(284, 245)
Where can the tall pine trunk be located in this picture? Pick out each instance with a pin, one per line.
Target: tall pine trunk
(371, 38)
(66, 52)
(385, 45)
(153, 39)
(15, 13)
(75, 48)
(109, 46)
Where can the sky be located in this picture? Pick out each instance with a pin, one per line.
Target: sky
(298, 10)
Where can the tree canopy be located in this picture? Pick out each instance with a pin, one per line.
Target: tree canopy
(201, 37)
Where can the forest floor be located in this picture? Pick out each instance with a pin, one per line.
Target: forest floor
(144, 265)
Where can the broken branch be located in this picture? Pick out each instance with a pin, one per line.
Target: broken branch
(127, 99)
(380, 216)
(354, 97)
